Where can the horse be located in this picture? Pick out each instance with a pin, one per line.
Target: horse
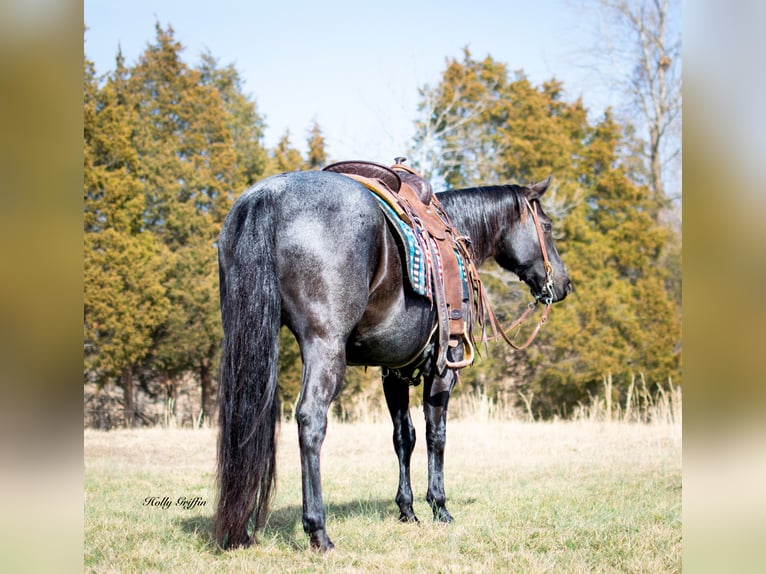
(313, 251)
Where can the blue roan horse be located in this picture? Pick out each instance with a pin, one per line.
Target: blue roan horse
(313, 251)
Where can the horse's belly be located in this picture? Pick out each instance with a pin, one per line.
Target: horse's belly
(390, 341)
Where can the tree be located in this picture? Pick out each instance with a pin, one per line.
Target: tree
(621, 319)
(285, 157)
(455, 117)
(190, 167)
(124, 295)
(244, 123)
(317, 155)
(639, 46)
(161, 169)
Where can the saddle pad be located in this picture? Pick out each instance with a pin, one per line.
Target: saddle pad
(414, 253)
(417, 254)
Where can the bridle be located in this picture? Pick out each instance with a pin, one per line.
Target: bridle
(480, 302)
(546, 297)
(548, 287)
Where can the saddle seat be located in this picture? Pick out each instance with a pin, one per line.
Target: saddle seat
(414, 201)
(392, 177)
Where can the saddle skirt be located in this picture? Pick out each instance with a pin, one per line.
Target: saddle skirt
(437, 258)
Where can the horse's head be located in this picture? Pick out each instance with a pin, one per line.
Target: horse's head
(536, 262)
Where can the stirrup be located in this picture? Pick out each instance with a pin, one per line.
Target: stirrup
(468, 356)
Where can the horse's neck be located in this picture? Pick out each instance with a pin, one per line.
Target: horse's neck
(477, 213)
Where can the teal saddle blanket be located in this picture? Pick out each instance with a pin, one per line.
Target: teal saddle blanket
(420, 253)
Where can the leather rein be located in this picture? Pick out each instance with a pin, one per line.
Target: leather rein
(483, 301)
(483, 305)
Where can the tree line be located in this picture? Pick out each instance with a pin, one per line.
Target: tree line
(168, 147)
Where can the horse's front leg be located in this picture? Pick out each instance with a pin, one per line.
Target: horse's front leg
(436, 392)
(324, 367)
(398, 400)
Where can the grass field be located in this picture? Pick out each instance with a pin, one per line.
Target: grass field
(582, 496)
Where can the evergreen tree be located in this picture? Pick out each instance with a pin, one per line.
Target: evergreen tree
(317, 156)
(285, 157)
(244, 123)
(168, 146)
(124, 295)
(189, 166)
(161, 168)
(621, 320)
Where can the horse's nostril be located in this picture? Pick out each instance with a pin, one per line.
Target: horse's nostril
(568, 287)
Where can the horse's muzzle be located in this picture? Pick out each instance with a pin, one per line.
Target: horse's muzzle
(568, 288)
(553, 293)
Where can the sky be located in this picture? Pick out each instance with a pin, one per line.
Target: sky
(353, 67)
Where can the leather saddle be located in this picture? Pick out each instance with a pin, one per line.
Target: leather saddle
(412, 198)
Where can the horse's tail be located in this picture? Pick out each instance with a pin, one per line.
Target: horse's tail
(249, 405)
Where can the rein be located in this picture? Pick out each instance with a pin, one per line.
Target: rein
(483, 305)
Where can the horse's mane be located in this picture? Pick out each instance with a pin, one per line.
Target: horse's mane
(483, 212)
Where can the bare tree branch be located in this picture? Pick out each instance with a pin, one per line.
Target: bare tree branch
(654, 85)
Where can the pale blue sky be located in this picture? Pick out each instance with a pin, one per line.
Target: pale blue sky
(354, 67)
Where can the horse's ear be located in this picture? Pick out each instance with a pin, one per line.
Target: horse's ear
(535, 190)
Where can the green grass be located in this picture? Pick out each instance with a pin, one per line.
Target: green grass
(582, 496)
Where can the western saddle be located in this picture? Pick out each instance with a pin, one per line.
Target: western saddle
(451, 272)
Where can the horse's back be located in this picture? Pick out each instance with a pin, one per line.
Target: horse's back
(320, 211)
(327, 231)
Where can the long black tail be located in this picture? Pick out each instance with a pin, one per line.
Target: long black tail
(249, 406)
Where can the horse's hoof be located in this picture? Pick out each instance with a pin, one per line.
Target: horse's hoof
(242, 542)
(323, 548)
(441, 515)
(320, 542)
(408, 517)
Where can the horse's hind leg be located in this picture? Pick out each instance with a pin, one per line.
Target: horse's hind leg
(324, 367)
(436, 394)
(398, 400)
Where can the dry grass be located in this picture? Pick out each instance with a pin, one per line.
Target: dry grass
(587, 495)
